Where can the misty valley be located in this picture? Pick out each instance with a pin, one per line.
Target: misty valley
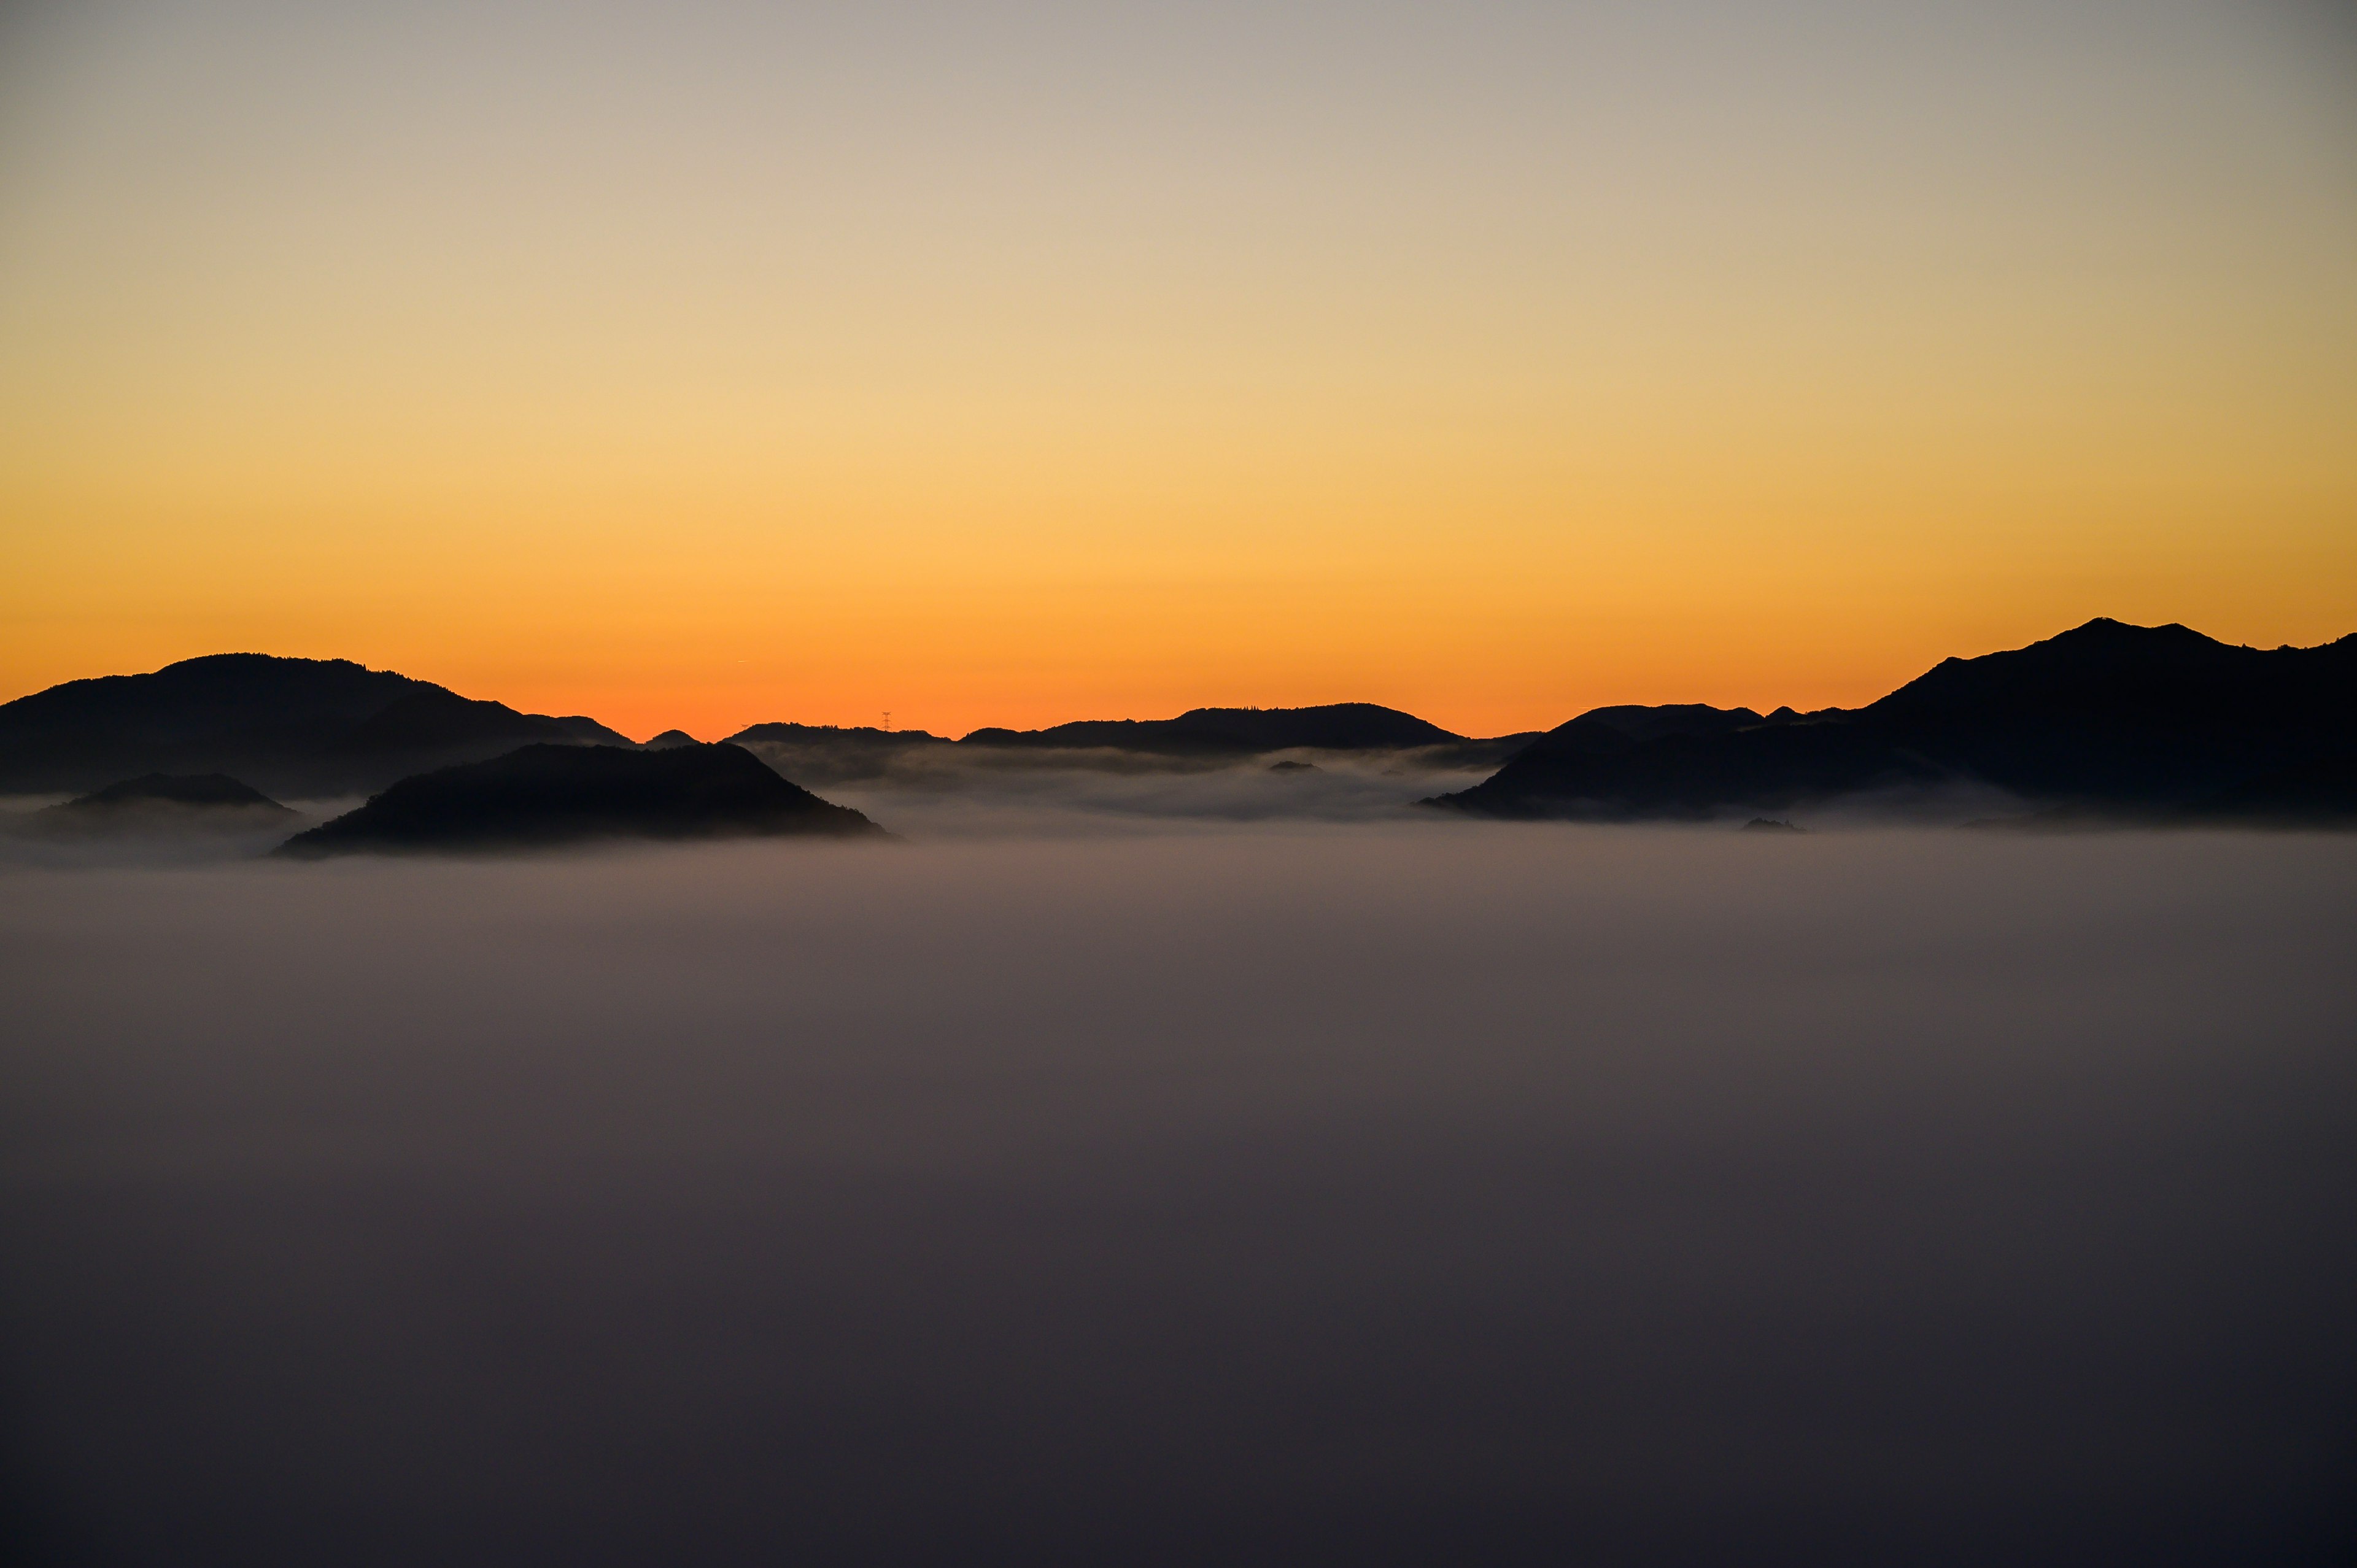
(1385, 1192)
(955, 783)
(436, 1133)
(2107, 724)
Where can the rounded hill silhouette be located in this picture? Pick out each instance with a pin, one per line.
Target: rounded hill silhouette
(2106, 720)
(166, 805)
(292, 728)
(203, 790)
(547, 796)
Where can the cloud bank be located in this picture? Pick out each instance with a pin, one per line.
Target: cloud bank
(1393, 1192)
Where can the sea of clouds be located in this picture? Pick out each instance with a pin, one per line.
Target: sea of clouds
(1394, 1189)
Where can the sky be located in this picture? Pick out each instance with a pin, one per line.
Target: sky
(714, 363)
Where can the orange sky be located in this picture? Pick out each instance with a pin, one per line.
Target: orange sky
(708, 366)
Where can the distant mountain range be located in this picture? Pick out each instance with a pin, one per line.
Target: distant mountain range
(2142, 723)
(825, 754)
(305, 728)
(287, 726)
(1201, 737)
(543, 795)
(1236, 732)
(2105, 722)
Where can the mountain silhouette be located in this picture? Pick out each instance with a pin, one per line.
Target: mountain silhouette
(293, 726)
(2106, 718)
(1616, 730)
(1591, 769)
(160, 805)
(1248, 732)
(2107, 721)
(548, 795)
(1200, 737)
(2131, 715)
(205, 790)
(835, 735)
(832, 754)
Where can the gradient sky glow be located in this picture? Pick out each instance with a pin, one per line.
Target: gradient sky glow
(710, 363)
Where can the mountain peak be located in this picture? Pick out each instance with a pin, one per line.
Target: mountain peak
(201, 789)
(298, 726)
(1344, 726)
(2106, 713)
(2103, 628)
(231, 661)
(545, 795)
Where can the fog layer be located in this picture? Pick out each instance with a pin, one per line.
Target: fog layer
(968, 791)
(1440, 1192)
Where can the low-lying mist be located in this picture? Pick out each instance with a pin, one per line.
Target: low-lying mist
(933, 792)
(1401, 1191)
(939, 792)
(979, 791)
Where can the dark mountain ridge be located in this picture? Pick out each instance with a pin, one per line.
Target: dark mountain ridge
(545, 795)
(836, 755)
(2107, 717)
(2104, 720)
(294, 726)
(2110, 712)
(860, 735)
(1200, 738)
(1239, 733)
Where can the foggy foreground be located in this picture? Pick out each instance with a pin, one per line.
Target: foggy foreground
(1431, 1193)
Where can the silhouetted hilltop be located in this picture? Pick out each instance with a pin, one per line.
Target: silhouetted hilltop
(832, 754)
(1201, 738)
(1609, 731)
(2131, 715)
(1241, 732)
(1593, 769)
(209, 806)
(2105, 718)
(295, 727)
(828, 735)
(1618, 728)
(670, 738)
(202, 790)
(548, 795)
(1245, 732)
(310, 728)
